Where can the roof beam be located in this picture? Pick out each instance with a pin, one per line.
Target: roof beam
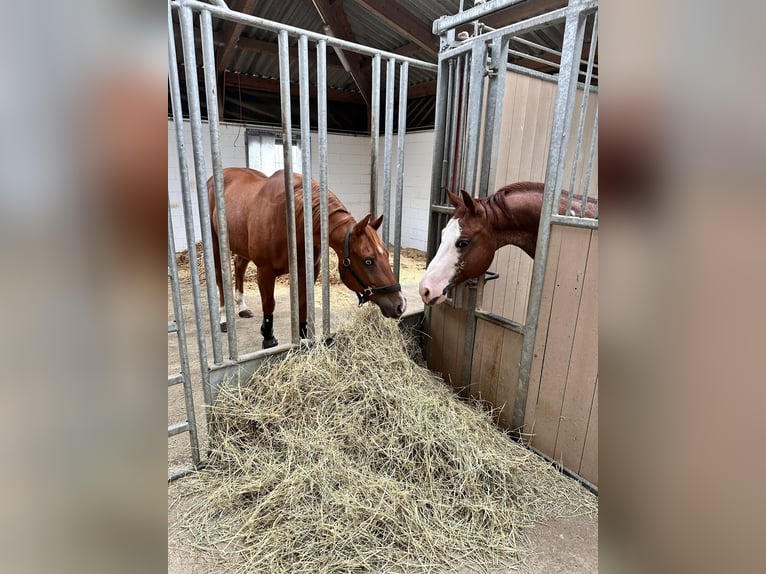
(404, 22)
(272, 86)
(523, 11)
(335, 18)
(261, 47)
(231, 33)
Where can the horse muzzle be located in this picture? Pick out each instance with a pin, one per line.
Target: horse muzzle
(392, 305)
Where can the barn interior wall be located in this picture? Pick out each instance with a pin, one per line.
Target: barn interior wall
(348, 176)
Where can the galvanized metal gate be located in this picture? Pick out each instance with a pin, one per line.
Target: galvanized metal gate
(469, 110)
(232, 364)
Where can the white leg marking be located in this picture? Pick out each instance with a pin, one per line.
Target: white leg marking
(222, 313)
(239, 299)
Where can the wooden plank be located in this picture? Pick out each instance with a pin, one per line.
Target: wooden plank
(530, 129)
(589, 460)
(517, 128)
(488, 365)
(514, 258)
(542, 131)
(583, 369)
(478, 357)
(436, 340)
(523, 284)
(504, 146)
(543, 320)
(508, 377)
(558, 348)
(453, 342)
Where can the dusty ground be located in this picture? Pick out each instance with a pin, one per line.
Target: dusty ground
(562, 546)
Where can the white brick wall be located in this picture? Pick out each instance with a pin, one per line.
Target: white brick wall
(348, 169)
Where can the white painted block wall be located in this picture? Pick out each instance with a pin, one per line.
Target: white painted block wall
(348, 169)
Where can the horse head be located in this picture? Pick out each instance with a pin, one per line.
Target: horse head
(465, 252)
(365, 270)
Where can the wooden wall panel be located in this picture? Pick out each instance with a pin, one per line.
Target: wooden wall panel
(589, 462)
(583, 369)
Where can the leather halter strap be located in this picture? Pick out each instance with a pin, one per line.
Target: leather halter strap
(367, 291)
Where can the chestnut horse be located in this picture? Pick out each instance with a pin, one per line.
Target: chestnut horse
(257, 226)
(479, 227)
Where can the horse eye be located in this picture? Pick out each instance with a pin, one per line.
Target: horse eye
(368, 261)
(461, 243)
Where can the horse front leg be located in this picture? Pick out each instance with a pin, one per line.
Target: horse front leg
(266, 279)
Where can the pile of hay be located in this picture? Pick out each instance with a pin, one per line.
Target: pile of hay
(352, 458)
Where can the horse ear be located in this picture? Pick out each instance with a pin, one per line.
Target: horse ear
(359, 227)
(470, 204)
(454, 199)
(375, 224)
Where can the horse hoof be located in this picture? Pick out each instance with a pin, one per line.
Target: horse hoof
(270, 342)
(223, 327)
(246, 313)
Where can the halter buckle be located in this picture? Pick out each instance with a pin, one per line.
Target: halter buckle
(346, 262)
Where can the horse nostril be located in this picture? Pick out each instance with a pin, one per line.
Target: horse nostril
(426, 292)
(399, 309)
(444, 291)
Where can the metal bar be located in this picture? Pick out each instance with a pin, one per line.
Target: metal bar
(581, 120)
(277, 27)
(287, 138)
(454, 109)
(543, 76)
(176, 379)
(589, 169)
(447, 209)
(183, 349)
(544, 48)
(448, 125)
(473, 120)
(543, 61)
(178, 428)
(208, 60)
(195, 117)
(437, 160)
(402, 136)
(183, 168)
(387, 143)
(323, 198)
(569, 69)
(374, 135)
(583, 7)
(500, 321)
(574, 221)
(308, 190)
(463, 17)
(220, 3)
(172, 327)
(553, 169)
(177, 473)
(494, 116)
(460, 136)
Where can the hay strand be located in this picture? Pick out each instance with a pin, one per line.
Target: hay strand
(353, 458)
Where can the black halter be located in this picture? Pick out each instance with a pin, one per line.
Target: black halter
(367, 291)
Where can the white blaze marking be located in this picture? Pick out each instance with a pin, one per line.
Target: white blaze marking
(443, 266)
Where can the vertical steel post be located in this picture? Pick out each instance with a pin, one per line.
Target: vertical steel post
(589, 169)
(554, 173)
(208, 61)
(374, 135)
(457, 104)
(287, 138)
(437, 161)
(323, 197)
(308, 193)
(459, 179)
(473, 120)
(494, 114)
(583, 112)
(402, 127)
(178, 313)
(387, 142)
(447, 126)
(192, 87)
(183, 169)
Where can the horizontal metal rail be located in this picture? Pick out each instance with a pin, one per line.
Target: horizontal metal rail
(276, 27)
(448, 209)
(177, 473)
(500, 321)
(545, 49)
(585, 7)
(571, 221)
(445, 23)
(543, 61)
(178, 428)
(175, 379)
